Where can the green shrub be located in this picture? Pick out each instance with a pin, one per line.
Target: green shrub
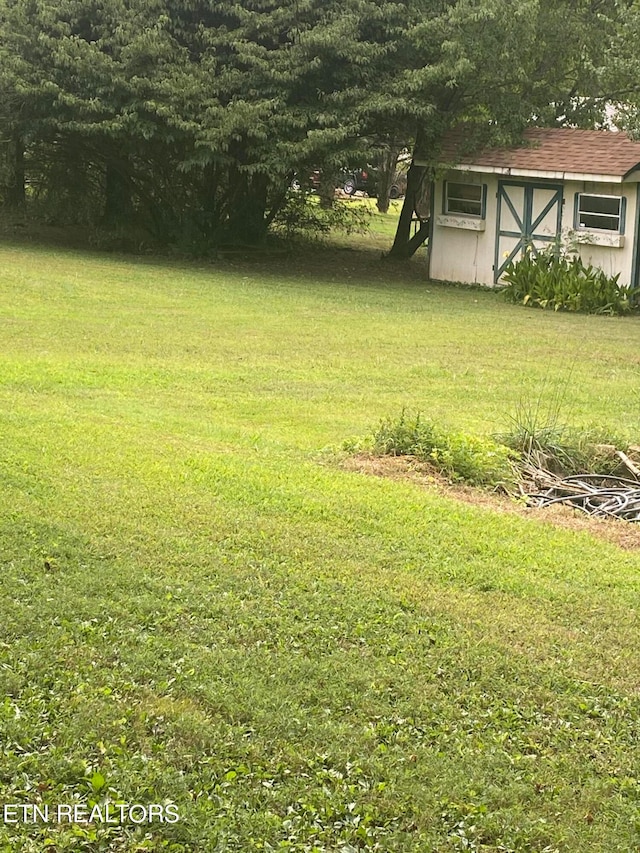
(477, 461)
(551, 279)
(302, 216)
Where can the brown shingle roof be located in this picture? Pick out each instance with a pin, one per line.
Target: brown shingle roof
(556, 149)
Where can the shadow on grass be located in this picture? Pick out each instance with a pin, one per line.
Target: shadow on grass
(331, 261)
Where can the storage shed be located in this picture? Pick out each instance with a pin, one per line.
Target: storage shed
(563, 183)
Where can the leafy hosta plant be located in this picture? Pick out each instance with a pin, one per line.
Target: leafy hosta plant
(562, 281)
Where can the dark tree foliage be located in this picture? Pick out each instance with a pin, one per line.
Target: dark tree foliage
(188, 118)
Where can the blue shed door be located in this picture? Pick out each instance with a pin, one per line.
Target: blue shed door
(528, 215)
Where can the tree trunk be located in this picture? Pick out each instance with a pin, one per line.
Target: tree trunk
(247, 222)
(13, 191)
(210, 195)
(118, 202)
(277, 204)
(386, 174)
(327, 188)
(404, 245)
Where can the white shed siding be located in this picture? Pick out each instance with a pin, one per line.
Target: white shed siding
(611, 259)
(464, 254)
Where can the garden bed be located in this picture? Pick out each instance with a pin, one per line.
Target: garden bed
(408, 468)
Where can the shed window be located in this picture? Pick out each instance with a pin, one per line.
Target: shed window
(467, 199)
(600, 212)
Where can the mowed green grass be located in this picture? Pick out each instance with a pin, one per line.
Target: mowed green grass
(199, 606)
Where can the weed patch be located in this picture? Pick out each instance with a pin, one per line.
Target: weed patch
(459, 456)
(542, 462)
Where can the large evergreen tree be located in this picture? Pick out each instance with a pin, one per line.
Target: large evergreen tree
(192, 115)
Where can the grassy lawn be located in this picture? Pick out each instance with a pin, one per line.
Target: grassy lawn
(382, 226)
(199, 606)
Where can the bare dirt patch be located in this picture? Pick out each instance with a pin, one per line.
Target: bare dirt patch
(621, 533)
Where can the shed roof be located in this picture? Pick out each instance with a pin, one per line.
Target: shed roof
(555, 152)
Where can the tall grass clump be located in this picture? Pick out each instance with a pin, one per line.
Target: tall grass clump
(539, 432)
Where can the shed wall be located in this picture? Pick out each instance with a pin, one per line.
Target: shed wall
(611, 259)
(461, 252)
